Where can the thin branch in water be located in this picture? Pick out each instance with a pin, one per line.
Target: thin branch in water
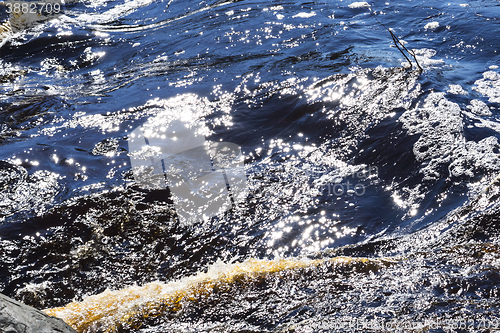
(397, 43)
(415, 57)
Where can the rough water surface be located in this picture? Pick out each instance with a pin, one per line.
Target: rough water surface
(371, 197)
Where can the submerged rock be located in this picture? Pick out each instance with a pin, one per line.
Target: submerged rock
(16, 317)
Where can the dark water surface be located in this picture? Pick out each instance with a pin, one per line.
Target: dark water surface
(345, 154)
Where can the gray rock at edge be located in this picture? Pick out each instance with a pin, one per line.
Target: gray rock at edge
(16, 317)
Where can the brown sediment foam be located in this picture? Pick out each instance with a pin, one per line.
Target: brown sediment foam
(18, 22)
(5, 29)
(110, 310)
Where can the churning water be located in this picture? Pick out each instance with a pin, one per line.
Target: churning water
(366, 195)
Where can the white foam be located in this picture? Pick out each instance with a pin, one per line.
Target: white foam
(431, 25)
(456, 89)
(424, 57)
(479, 108)
(304, 15)
(489, 86)
(113, 13)
(360, 4)
(440, 126)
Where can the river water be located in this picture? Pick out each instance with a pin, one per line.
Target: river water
(363, 194)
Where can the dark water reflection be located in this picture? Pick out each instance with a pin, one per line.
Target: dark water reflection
(315, 97)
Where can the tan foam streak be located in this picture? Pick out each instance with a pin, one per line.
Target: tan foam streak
(130, 306)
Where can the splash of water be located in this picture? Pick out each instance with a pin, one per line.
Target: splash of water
(129, 307)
